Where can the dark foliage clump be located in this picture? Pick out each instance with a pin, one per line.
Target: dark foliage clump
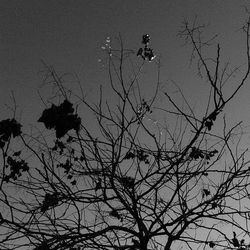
(205, 192)
(128, 181)
(8, 128)
(139, 154)
(129, 155)
(16, 168)
(197, 153)
(211, 244)
(210, 120)
(59, 146)
(50, 200)
(235, 241)
(61, 118)
(43, 246)
(142, 156)
(115, 214)
(66, 166)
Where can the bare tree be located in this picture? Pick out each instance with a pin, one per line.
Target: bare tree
(121, 182)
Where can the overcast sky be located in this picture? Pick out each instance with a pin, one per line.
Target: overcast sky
(69, 35)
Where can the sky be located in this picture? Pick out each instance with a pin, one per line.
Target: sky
(69, 34)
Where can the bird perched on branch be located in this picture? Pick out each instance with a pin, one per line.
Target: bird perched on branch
(146, 53)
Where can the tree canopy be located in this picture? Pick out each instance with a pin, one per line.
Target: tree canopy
(119, 181)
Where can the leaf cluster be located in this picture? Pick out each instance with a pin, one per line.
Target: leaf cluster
(197, 153)
(50, 200)
(139, 154)
(211, 119)
(61, 118)
(16, 168)
(8, 128)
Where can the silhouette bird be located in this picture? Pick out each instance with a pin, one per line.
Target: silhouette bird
(235, 241)
(146, 52)
(145, 39)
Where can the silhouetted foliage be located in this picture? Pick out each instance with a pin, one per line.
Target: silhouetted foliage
(61, 118)
(8, 128)
(235, 240)
(142, 171)
(50, 200)
(16, 168)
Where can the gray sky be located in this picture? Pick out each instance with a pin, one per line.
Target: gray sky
(69, 35)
